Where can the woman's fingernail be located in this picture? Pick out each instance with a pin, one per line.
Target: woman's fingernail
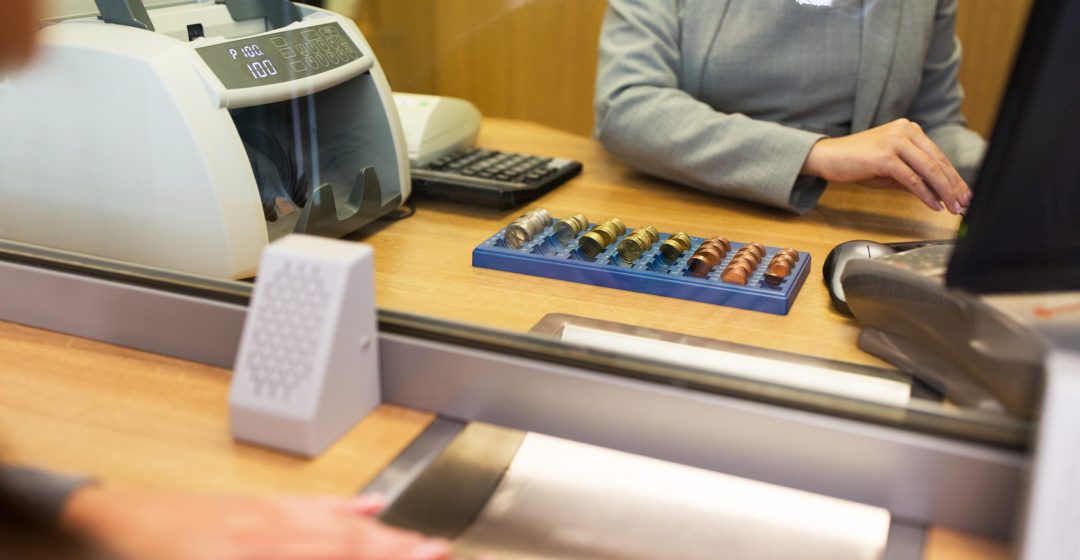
(957, 207)
(432, 549)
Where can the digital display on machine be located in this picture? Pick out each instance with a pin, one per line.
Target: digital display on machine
(280, 57)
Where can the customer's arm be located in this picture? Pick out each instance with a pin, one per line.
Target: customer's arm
(644, 118)
(165, 526)
(937, 106)
(39, 494)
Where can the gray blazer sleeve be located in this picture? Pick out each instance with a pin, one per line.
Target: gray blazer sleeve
(937, 106)
(646, 120)
(38, 493)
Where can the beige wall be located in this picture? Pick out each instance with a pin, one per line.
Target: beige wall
(990, 32)
(536, 59)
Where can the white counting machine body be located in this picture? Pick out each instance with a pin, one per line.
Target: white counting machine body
(191, 135)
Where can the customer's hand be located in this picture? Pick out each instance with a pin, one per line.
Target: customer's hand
(149, 526)
(19, 20)
(895, 155)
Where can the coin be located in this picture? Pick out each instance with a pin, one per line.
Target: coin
(747, 259)
(567, 229)
(700, 265)
(756, 248)
(525, 227)
(791, 252)
(711, 253)
(773, 279)
(785, 259)
(516, 236)
(631, 249)
(673, 247)
(648, 234)
(740, 266)
(750, 252)
(714, 246)
(734, 276)
(592, 244)
(720, 240)
(781, 269)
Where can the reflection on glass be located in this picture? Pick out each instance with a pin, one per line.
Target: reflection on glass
(521, 63)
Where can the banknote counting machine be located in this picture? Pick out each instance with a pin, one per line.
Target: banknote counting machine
(189, 136)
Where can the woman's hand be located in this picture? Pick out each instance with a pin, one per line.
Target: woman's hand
(150, 526)
(895, 155)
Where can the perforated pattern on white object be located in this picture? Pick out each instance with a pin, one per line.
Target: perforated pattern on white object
(287, 328)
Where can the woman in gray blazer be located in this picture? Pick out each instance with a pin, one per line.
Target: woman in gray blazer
(766, 100)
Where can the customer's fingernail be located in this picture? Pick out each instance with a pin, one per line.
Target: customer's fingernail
(432, 549)
(957, 207)
(368, 504)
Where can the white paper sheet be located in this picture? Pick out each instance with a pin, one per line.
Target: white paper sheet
(561, 499)
(802, 376)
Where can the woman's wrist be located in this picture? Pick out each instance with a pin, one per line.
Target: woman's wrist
(815, 160)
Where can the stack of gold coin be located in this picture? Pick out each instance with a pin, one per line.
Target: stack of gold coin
(594, 242)
(637, 243)
(708, 255)
(743, 264)
(780, 266)
(567, 229)
(526, 227)
(673, 247)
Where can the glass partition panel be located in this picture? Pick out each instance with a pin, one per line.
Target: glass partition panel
(127, 144)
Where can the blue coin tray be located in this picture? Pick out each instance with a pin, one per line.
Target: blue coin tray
(649, 274)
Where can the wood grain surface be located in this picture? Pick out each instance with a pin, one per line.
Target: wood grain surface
(424, 263)
(141, 420)
(138, 420)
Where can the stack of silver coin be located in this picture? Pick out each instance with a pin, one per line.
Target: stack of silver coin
(526, 227)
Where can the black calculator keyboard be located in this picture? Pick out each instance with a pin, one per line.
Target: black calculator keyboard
(491, 178)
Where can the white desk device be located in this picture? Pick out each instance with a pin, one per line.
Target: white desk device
(436, 126)
(189, 136)
(308, 364)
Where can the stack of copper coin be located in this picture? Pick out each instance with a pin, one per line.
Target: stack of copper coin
(781, 265)
(743, 264)
(567, 229)
(637, 243)
(708, 255)
(526, 227)
(673, 247)
(594, 242)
